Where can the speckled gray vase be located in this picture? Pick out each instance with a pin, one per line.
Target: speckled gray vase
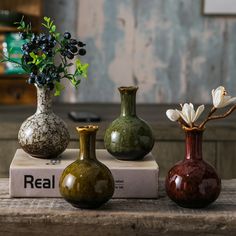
(128, 137)
(44, 134)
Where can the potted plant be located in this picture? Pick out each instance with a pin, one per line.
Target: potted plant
(47, 58)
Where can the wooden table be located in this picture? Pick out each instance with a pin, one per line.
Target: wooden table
(219, 146)
(54, 216)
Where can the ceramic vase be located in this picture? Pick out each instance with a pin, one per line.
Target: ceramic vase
(193, 183)
(44, 134)
(128, 137)
(87, 183)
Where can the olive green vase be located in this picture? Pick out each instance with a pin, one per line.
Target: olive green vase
(87, 183)
(128, 137)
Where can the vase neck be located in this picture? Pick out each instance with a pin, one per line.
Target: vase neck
(44, 100)
(194, 144)
(87, 143)
(128, 101)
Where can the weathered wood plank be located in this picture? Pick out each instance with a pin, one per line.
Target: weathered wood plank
(171, 51)
(223, 130)
(118, 217)
(107, 27)
(169, 153)
(167, 134)
(226, 158)
(7, 152)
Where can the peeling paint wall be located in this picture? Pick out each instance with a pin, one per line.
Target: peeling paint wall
(166, 47)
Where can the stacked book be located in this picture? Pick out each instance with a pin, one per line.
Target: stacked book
(33, 177)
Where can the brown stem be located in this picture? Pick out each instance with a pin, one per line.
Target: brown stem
(220, 116)
(213, 109)
(182, 122)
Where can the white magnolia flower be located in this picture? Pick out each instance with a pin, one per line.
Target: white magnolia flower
(220, 98)
(188, 114)
(173, 115)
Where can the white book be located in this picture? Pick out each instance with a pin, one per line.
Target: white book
(33, 177)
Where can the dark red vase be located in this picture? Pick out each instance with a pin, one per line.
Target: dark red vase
(193, 183)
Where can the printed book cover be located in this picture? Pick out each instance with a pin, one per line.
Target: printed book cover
(33, 177)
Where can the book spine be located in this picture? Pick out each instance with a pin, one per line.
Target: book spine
(45, 183)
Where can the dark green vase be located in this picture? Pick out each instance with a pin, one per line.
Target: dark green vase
(128, 137)
(87, 183)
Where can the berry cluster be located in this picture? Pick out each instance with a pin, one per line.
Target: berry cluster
(72, 47)
(47, 77)
(45, 44)
(40, 44)
(45, 56)
(37, 44)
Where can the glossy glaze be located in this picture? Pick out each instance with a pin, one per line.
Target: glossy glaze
(193, 183)
(128, 137)
(44, 134)
(87, 183)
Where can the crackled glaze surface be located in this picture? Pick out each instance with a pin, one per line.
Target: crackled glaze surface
(128, 137)
(87, 183)
(193, 183)
(44, 134)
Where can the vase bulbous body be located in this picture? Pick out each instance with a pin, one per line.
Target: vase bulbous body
(192, 182)
(44, 134)
(128, 137)
(87, 183)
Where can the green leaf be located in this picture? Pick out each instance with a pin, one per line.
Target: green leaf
(25, 68)
(59, 87)
(60, 68)
(44, 25)
(78, 63)
(47, 19)
(73, 81)
(33, 55)
(37, 62)
(57, 36)
(57, 50)
(3, 60)
(51, 24)
(53, 29)
(77, 83)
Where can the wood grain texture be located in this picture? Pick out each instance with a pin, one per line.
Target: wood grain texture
(118, 217)
(169, 153)
(226, 156)
(15, 90)
(7, 152)
(171, 51)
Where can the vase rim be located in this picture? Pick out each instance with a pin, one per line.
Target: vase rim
(189, 129)
(87, 128)
(128, 89)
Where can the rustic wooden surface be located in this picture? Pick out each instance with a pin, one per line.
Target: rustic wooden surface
(218, 147)
(137, 217)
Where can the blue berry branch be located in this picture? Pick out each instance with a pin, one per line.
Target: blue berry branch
(42, 51)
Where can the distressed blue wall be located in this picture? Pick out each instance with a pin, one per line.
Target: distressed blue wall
(166, 47)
